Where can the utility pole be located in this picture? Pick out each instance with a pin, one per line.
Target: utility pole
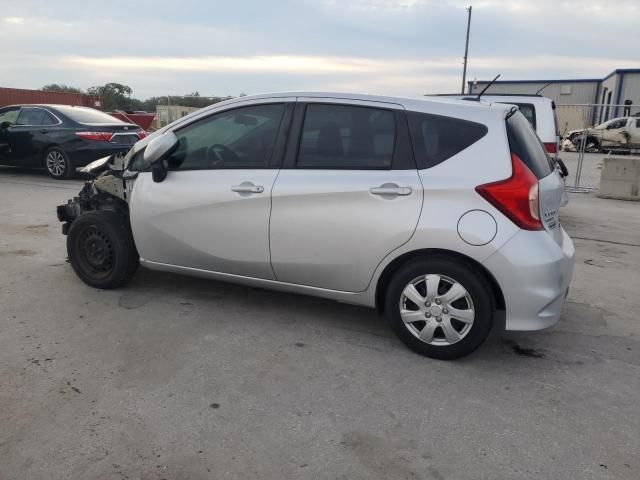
(466, 49)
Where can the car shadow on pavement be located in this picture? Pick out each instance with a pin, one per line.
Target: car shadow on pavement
(282, 309)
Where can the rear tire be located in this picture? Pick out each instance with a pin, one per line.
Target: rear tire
(101, 249)
(452, 309)
(58, 164)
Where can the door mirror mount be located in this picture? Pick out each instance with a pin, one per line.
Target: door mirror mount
(159, 171)
(5, 125)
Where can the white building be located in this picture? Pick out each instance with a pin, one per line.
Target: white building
(167, 114)
(611, 92)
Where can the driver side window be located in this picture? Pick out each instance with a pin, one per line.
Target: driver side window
(9, 115)
(240, 138)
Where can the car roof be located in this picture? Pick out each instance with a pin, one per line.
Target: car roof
(47, 105)
(434, 105)
(488, 95)
(501, 97)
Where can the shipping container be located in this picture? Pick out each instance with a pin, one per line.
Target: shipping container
(19, 96)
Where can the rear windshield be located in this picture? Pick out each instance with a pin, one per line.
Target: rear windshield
(87, 115)
(436, 138)
(524, 142)
(528, 110)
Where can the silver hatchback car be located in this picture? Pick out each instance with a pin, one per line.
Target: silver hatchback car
(437, 212)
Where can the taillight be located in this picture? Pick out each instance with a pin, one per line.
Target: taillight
(551, 147)
(516, 196)
(141, 134)
(97, 136)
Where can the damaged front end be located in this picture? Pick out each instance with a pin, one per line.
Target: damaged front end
(109, 189)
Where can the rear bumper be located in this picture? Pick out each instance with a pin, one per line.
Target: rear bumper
(534, 273)
(86, 154)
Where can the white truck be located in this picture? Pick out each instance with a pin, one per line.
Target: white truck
(622, 133)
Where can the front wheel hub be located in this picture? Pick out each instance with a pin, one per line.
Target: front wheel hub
(97, 251)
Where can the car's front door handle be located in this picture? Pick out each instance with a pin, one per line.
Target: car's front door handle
(247, 187)
(391, 189)
(44, 130)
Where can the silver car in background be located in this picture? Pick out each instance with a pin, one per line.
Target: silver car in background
(437, 212)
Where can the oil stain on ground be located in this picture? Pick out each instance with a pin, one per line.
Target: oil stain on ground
(523, 351)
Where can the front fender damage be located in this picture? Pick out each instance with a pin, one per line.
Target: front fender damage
(110, 189)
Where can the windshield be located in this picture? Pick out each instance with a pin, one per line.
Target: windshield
(87, 116)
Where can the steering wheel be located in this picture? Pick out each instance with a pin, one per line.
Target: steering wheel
(221, 154)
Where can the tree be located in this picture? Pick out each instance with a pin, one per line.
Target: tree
(115, 96)
(60, 87)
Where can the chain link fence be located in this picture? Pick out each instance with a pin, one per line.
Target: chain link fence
(588, 133)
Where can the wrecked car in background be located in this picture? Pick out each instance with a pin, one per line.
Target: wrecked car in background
(621, 134)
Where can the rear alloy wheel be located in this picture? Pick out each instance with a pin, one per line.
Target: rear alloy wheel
(439, 307)
(101, 249)
(58, 164)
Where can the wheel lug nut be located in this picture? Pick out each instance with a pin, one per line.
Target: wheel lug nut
(428, 315)
(438, 319)
(445, 311)
(437, 302)
(427, 304)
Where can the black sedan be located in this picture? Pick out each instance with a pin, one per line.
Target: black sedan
(61, 138)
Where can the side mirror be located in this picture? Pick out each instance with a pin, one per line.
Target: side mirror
(159, 171)
(4, 125)
(160, 148)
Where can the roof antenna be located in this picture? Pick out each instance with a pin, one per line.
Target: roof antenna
(538, 92)
(487, 87)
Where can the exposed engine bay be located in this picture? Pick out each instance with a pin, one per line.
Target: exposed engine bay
(109, 189)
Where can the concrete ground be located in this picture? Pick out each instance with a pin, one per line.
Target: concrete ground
(180, 378)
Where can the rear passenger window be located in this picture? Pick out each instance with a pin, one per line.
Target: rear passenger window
(32, 117)
(346, 137)
(436, 138)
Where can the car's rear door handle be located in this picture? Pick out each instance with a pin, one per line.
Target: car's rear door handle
(247, 187)
(391, 189)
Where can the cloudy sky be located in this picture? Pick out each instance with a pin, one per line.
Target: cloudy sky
(405, 47)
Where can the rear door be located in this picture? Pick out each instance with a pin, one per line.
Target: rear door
(212, 210)
(524, 142)
(348, 194)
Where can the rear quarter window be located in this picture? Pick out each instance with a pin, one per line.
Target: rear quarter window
(524, 142)
(436, 138)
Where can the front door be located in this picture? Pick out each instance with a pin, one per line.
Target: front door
(615, 133)
(31, 135)
(634, 131)
(212, 210)
(8, 117)
(350, 195)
